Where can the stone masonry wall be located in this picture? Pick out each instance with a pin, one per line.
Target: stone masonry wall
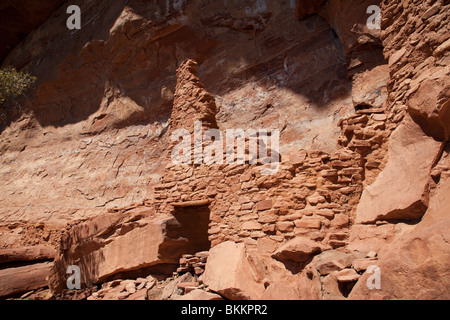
(313, 194)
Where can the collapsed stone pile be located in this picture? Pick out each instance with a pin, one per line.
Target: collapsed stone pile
(311, 194)
(193, 263)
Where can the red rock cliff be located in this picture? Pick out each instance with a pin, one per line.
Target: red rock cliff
(364, 168)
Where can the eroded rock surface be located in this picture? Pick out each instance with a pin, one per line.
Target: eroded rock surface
(403, 184)
(362, 171)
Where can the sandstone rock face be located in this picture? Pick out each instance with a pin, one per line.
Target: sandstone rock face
(404, 181)
(200, 295)
(24, 268)
(349, 20)
(27, 254)
(229, 272)
(280, 291)
(369, 87)
(116, 243)
(415, 265)
(20, 18)
(191, 101)
(414, 258)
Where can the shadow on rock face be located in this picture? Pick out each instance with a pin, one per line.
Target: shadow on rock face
(132, 53)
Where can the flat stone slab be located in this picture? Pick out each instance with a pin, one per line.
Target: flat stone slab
(22, 279)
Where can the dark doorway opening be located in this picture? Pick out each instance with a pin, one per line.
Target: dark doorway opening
(190, 226)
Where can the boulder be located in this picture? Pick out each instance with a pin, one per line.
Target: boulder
(18, 280)
(315, 198)
(369, 87)
(199, 294)
(403, 182)
(233, 272)
(298, 250)
(349, 20)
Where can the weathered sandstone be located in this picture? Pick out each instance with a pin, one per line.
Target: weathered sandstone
(361, 177)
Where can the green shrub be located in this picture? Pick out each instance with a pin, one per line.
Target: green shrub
(13, 83)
